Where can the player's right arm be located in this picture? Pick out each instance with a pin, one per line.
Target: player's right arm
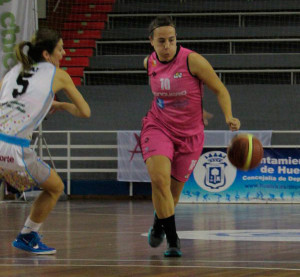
(1, 83)
(79, 107)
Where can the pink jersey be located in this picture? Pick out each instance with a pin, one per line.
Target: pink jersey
(177, 103)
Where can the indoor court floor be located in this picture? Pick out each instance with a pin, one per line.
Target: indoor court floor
(108, 238)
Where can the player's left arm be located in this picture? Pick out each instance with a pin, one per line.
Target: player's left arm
(79, 107)
(201, 68)
(1, 81)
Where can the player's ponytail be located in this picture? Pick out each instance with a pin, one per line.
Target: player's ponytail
(43, 40)
(24, 59)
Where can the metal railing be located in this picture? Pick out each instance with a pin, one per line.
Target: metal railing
(240, 15)
(220, 72)
(232, 42)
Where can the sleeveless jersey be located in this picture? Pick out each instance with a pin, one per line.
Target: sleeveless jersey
(177, 103)
(25, 99)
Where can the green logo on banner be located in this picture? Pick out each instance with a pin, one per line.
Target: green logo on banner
(8, 38)
(4, 1)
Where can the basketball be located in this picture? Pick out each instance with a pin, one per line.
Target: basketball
(245, 151)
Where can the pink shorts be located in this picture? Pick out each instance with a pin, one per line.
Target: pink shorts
(183, 152)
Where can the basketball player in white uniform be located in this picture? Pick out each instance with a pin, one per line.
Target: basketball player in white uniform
(26, 96)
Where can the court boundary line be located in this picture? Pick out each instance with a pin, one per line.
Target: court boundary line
(53, 258)
(152, 266)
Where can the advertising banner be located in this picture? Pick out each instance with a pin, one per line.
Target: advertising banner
(131, 167)
(215, 180)
(17, 23)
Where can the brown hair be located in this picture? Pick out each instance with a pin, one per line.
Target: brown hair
(160, 21)
(44, 39)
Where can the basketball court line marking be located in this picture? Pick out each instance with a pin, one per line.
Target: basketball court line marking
(154, 266)
(83, 232)
(53, 258)
(27, 203)
(253, 235)
(99, 214)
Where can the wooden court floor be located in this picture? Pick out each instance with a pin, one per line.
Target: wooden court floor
(107, 238)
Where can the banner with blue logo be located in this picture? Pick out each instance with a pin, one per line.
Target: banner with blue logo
(215, 180)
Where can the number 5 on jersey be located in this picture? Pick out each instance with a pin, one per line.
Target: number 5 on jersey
(21, 81)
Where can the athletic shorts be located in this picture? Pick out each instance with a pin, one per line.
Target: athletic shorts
(19, 165)
(183, 152)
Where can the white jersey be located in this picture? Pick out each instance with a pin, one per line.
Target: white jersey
(25, 99)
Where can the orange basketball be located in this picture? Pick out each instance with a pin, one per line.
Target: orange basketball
(245, 151)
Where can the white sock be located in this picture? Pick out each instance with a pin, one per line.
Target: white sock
(30, 226)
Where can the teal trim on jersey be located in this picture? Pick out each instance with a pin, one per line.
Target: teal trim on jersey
(15, 140)
(47, 166)
(52, 82)
(26, 168)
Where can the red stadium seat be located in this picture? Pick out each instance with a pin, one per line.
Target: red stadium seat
(79, 52)
(75, 61)
(82, 34)
(84, 25)
(80, 43)
(91, 8)
(87, 17)
(74, 71)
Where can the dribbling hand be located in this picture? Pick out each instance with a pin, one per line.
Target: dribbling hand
(233, 124)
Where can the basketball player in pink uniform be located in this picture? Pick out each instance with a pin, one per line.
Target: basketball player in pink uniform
(26, 96)
(172, 135)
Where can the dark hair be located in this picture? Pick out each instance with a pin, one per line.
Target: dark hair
(44, 39)
(160, 21)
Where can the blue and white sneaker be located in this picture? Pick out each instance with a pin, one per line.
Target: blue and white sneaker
(173, 250)
(32, 243)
